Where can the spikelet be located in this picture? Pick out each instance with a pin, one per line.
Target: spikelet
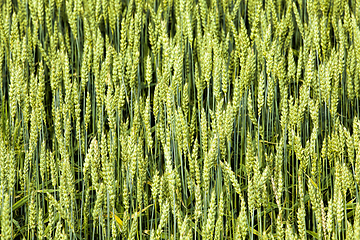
(198, 204)
(204, 131)
(164, 217)
(231, 175)
(209, 160)
(6, 217)
(219, 221)
(251, 109)
(301, 211)
(209, 227)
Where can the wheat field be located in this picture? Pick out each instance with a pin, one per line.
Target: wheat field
(179, 119)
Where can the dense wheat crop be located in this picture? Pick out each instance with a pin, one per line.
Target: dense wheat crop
(179, 119)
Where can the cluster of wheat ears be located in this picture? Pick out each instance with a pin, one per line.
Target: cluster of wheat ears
(179, 119)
